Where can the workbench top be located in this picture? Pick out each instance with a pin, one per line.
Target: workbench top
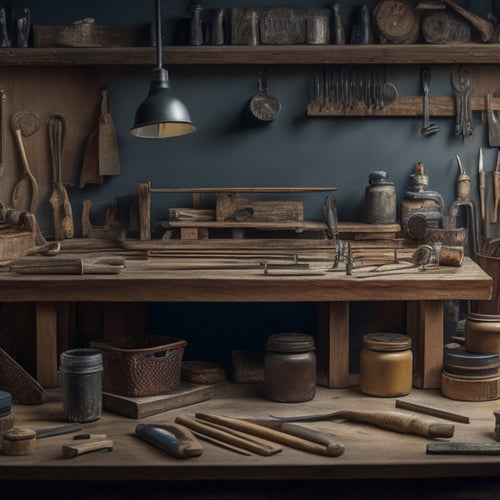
(164, 280)
(370, 452)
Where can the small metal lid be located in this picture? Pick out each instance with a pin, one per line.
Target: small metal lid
(386, 342)
(458, 356)
(290, 342)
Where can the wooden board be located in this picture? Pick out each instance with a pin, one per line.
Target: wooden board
(140, 407)
(87, 35)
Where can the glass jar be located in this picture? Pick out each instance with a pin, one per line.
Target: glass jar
(290, 368)
(386, 365)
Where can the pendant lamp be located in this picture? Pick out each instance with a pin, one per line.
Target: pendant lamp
(161, 114)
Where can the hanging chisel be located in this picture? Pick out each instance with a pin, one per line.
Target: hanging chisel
(482, 190)
(496, 189)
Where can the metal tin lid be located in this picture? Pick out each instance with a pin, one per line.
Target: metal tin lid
(458, 356)
(386, 342)
(290, 342)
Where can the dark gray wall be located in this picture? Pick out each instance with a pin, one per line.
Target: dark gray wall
(291, 151)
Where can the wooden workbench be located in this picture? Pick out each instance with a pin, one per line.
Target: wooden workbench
(154, 281)
(370, 452)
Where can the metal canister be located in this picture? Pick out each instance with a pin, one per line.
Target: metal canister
(82, 384)
(386, 365)
(380, 199)
(290, 368)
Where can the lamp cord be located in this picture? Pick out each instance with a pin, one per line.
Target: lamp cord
(159, 55)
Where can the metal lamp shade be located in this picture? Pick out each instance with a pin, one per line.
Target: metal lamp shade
(161, 115)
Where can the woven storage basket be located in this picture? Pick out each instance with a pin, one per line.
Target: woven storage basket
(141, 365)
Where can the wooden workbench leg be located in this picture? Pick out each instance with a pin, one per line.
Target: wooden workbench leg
(46, 344)
(332, 344)
(425, 326)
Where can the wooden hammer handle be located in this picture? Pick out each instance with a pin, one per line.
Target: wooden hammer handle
(72, 451)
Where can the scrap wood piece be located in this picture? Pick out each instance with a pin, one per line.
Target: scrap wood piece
(21, 385)
(430, 410)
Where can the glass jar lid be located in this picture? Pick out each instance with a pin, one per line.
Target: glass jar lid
(386, 342)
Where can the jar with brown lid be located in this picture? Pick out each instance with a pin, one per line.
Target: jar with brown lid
(386, 365)
(290, 368)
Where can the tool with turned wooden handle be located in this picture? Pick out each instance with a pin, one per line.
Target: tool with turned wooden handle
(391, 420)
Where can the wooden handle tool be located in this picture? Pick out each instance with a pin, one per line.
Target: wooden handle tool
(170, 438)
(284, 438)
(228, 437)
(404, 423)
(482, 185)
(72, 451)
(496, 189)
(334, 448)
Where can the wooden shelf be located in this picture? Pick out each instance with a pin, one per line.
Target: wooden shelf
(473, 53)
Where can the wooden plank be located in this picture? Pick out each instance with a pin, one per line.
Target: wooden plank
(231, 206)
(425, 326)
(405, 106)
(470, 53)
(140, 407)
(249, 189)
(46, 344)
(144, 207)
(333, 344)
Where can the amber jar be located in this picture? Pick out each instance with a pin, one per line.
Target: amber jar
(386, 365)
(290, 368)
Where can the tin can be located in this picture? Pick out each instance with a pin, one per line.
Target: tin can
(386, 365)
(290, 368)
(380, 199)
(82, 384)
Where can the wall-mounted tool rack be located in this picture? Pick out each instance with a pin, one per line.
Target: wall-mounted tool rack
(403, 106)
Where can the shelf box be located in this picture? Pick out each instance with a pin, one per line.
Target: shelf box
(88, 35)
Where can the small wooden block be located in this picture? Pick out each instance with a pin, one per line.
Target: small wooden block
(202, 372)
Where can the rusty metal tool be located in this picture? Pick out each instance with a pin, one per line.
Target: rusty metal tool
(430, 410)
(461, 82)
(463, 448)
(56, 431)
(173, 439)
(72, 451)
(25, 124)
(428, 128)
(496, 190)
(330, 216)
(482, 189)
(464, 200)
(404, 423)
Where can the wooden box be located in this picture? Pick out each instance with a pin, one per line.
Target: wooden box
(15, 244)
(88, 35)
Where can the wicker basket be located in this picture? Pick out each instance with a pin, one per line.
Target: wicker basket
(141, 365)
